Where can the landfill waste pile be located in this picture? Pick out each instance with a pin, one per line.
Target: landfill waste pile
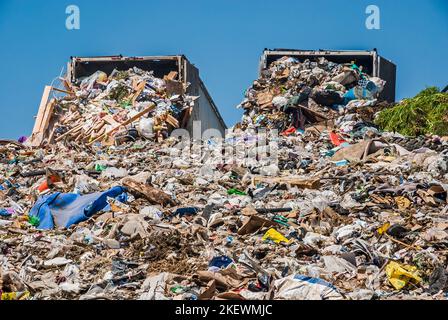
(327, 209)
(291, 94)
(102, 108)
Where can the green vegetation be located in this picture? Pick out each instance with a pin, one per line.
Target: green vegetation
(426, 113)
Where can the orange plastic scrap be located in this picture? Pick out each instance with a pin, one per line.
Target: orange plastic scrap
(335, 139)
(288, 131)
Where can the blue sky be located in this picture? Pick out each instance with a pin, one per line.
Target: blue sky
(224, 39)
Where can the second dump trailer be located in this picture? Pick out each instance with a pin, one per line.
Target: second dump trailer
(371, 62)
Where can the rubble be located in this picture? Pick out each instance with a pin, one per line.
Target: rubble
(340, 211)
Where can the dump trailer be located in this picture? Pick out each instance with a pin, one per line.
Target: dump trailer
(370, 61)
(204, 109)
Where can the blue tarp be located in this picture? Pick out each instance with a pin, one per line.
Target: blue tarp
(64, 209)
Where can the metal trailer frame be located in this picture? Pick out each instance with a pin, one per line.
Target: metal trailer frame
(74, 61)
(380, 67)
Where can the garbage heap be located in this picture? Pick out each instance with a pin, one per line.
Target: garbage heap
(291, 94)
(123, 106)
(327, 209)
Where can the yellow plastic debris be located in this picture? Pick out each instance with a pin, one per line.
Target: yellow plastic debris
(15, 295)
(383, 228)
(275, 236)
(400, 275)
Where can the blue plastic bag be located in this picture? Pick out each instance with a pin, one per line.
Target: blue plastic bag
(65, 209)
(220, 262)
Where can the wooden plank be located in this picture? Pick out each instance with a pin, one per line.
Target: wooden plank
(47, 116)
(44, 115)
(100, 132)
(78, 137)
(72, 130)
(63, 91)
(42, 108)
(110, 120)
(172, 121)
(171, 76)
(135, 84)
(139, 90)
(36, 139)
(50, 137)
(41, 119)
(137, 116)
(90, 130)
(99, 125)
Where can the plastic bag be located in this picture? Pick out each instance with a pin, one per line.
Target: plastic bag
(400, 275)
(145, 128)
(275, 236)
(301, 287)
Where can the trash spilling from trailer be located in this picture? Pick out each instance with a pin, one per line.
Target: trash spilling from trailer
(314, 201)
